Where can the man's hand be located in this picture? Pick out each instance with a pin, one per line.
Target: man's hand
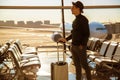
(62, 40)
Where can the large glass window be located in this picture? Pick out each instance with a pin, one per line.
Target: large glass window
(30, 2)
(94, 2)
(49, 12)
(31, 15)
(99, 15)
(54, 15)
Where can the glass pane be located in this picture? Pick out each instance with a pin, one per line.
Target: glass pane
(30, 2)
(100, 15)
(94, 2)
(54, 16)
(32, 26)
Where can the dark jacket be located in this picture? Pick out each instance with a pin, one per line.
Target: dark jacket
(80, 32)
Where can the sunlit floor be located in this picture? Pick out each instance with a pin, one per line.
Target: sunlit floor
(47, 58)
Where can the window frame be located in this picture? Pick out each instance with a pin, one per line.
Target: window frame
(58, 7)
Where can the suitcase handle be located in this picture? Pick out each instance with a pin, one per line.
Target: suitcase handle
(58, 53)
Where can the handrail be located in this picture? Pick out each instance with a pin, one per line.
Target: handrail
(58, 7)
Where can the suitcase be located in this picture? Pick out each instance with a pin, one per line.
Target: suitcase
(59, 69)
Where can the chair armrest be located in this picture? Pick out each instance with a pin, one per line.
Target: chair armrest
(116, 57)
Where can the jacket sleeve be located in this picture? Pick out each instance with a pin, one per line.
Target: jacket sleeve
(69, 37)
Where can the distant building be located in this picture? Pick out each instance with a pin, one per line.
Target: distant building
(47, 22)
(29, 23)
(113, 28)
(117, 28)
(21, 23)
(38, 23)
(9, 23)
(2, 23)
(109, 28)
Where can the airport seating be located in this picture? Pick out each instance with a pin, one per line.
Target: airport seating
(24, 68)
(109, 54)
(89, 43)
(3, 50)
(94, 46)
(102, 51)
(25, 57)
(115, 57)
(30, 62)
(92, 42)
(117, 53)
(95, 54)
(10, 42)
(25, 50)
(110, 67)
(5, 69)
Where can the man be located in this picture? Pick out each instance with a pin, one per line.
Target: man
(79, 35)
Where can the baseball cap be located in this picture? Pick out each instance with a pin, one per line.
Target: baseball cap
(79, 5)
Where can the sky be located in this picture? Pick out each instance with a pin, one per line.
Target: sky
(101, 15)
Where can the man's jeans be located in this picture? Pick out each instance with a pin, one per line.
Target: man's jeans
(80, 60)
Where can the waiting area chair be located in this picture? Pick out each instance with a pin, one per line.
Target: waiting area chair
(24, 68)
(110, 67)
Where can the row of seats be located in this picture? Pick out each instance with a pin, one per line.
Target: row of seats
(25, 61)
(4, 58)
(3, 50)
(107, 55)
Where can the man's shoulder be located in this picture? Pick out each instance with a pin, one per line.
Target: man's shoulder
(84, 17)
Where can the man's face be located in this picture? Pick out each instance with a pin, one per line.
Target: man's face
(75, 10)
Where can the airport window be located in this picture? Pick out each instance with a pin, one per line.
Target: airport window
(30, 2)
(95, 10)
(54, 16)
(49, 12)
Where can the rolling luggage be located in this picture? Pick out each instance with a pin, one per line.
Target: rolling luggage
(59, 70)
